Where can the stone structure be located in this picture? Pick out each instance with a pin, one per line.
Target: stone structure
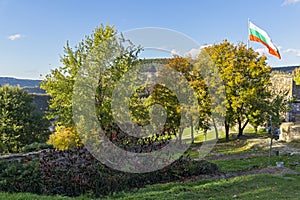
(22, 156)
(282, 80)
(289, 132)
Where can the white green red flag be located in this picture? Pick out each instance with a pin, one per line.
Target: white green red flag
(259, 35)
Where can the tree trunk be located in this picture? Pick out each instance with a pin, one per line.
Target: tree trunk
(192, 131)
(240, 133)
(216, 130)
(180, 135)
(255, 129)
(227, 127)
(242, 127)
(192, 135)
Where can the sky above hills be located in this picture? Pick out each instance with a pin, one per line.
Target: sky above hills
(33, 32)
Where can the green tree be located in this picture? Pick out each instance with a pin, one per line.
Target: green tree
(87, 59)
(59, 83)
(247, 78)
(296, 75)
(213, 92)
(20, 123)
(192, 73)
(196, 80)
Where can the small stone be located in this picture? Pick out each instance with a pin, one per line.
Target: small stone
(293, 164)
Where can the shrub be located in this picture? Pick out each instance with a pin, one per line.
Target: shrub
(20, 122)
(36, 147)
(64, 138)
(21, 176)
(76, 171)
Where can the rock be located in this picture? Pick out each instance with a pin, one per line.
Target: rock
(289, 131)
(21, 156)
(294, 164)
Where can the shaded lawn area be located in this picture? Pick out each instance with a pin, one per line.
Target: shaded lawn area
(246, 187)
(256, 163)
(261, 186)
(258, 186)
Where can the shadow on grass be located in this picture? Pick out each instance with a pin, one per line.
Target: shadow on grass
(260, 186)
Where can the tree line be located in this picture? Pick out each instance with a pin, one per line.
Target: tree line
(243, 86)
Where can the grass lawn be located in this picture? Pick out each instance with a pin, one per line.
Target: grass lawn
(28, 196)
(245, 187)
(256, 162)
(260, 186)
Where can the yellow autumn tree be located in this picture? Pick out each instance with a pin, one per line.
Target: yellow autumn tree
(64, 138)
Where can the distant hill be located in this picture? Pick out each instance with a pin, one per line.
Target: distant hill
(21, 82)
(32, 86)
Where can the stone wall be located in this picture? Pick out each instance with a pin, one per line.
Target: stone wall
(289, 132)
(22, 156)
(282, 82)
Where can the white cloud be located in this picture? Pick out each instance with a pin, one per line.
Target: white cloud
(265, 51)
(262, 51)
(205, 45)
(289, 2)
(295, 51)
(15, 37)
(174, 52)
(194, 53)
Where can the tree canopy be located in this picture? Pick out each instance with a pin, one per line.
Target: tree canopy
(89, 54)
(244, 84)
(20, 123)
(59, 83)
(246, 77)
(296, 76)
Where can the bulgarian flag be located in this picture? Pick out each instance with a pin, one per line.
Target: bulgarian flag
(259, 35)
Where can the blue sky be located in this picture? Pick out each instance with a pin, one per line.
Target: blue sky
(34, 32)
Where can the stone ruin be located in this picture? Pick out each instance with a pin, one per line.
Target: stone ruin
(289, 131)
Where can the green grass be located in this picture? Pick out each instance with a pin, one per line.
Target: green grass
(241, 146)
(199, 136)
(28, 196)
(256, 162)
(232, 147)
(246, 187)
(295, 144)
(260, 186)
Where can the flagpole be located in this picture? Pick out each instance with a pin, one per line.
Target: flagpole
(248, 34)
